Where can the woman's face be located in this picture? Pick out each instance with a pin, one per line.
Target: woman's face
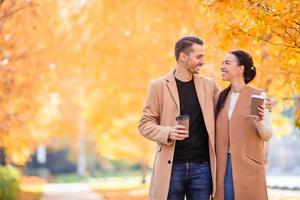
(231, 69)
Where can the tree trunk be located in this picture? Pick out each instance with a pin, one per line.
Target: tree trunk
(81, 159)
(2, 156)
(143, 171)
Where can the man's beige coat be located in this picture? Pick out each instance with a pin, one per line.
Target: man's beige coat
(159, 113)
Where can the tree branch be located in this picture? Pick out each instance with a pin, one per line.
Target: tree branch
(263, 39)
(14, 11)
(1, 2)
(279, 44)
(296, 23)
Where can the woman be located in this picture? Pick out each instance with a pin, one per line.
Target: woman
(240, 138)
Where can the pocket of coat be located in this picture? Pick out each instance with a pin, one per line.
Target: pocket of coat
(158, 148)
(255, 153)
(258, 162)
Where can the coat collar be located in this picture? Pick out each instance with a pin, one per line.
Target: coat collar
(199, 86)
(171, 83)
(243, 93)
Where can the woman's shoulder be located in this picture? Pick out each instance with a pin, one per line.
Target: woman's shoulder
(256, 91)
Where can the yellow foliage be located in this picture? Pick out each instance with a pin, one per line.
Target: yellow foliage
(65, 62)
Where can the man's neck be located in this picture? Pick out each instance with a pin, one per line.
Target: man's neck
(183, 74)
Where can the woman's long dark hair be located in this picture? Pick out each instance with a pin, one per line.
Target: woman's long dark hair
(246, 60)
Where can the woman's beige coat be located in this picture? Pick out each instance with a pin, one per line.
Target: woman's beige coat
(247, 150)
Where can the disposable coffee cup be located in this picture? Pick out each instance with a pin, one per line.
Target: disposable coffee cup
(256, 101)
(184, 120)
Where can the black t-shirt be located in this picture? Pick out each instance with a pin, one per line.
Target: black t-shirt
(195, 147)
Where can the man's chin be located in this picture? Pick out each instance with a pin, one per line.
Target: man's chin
(197, 71)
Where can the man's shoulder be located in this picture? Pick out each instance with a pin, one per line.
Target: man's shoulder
(206, 79)
(159, 80)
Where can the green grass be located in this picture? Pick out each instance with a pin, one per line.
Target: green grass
(69, 178)
(101, 177)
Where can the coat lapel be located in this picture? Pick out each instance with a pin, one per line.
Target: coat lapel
(242, 95)
(171, 83)
(226, 108)
(199, 86)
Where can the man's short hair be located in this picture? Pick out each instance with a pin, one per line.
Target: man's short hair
(185, 44)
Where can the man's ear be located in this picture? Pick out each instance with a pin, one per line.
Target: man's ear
(182, 56)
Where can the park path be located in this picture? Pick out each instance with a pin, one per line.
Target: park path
(72, 191)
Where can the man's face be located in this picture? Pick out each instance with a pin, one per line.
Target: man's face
(194, 60)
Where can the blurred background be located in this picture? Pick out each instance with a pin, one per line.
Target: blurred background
(74, 76)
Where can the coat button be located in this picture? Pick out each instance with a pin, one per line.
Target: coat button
(169, 161)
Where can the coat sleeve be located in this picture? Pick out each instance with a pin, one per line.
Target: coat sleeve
(216, 93)
(149, 126)
(264, 127)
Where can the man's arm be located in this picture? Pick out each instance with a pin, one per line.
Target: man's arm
(149, 124)
(216, 93)
(216, 88)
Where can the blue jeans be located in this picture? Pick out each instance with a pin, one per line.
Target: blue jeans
(228, 182)
(192, 180)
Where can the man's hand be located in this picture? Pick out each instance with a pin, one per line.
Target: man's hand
(268, 104)
(178, 132)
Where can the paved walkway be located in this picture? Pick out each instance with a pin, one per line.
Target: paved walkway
(72, 191)
(284, 182)
(283, 195)
(82, 191)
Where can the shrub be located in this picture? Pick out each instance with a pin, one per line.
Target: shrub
(9, 183)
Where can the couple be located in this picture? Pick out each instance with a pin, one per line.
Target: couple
(223, 157)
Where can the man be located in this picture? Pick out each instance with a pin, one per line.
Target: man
(183, 166)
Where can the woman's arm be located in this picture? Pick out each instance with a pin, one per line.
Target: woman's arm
(264, 125)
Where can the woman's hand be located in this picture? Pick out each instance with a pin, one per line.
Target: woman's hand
(261, 113)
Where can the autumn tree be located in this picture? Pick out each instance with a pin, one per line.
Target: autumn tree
(25, 85)
(270, 31)
(76, 73)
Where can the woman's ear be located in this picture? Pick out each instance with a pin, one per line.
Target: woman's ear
(241, 69)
